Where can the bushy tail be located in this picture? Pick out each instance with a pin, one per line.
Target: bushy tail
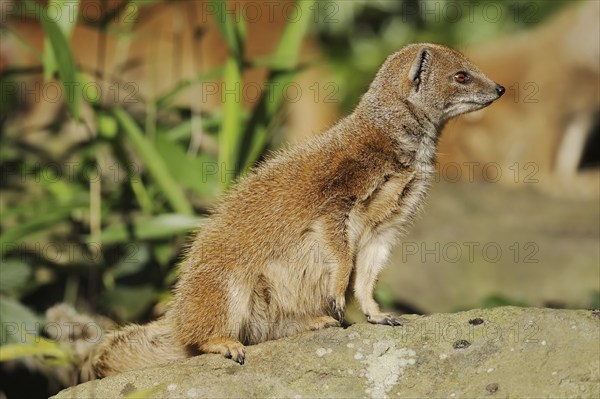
(133, 347)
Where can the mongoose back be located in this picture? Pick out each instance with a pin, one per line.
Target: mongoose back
(277, 254)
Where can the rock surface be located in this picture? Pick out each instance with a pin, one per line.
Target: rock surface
(475, 241)
(497, 353)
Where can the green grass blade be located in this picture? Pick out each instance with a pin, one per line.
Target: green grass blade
(284, 60)
(241, 30)
(230, 136)
(59, 55)
(31, 226)
(41, 222)
(154, 163)
(65, 19)
(291, 40)
(259, 129)
(226, 26)
(150, 228)
(199, 173)
(47, 351)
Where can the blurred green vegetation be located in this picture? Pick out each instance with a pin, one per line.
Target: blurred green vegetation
(106, 234)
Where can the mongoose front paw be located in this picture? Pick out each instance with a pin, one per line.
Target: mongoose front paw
(337, 307)
(384, 318)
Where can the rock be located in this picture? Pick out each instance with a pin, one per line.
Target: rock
(476, 241)
(497, 353)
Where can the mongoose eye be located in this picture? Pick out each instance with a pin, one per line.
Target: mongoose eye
(462, 77)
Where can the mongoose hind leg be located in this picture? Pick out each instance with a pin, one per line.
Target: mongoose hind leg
(337, 290)
(340, 261)
(226, 346)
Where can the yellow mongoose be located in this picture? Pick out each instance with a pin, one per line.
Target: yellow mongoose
(276, 257)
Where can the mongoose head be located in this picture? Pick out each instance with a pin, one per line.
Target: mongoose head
(437, 80)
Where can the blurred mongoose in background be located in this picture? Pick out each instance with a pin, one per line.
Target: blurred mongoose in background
(277, 255)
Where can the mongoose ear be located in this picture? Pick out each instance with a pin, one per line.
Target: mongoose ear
(419, 66)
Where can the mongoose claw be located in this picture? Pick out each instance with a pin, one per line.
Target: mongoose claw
(337, 308)
(239, 358)
(385, 319)
(338, 314)
(236, 354)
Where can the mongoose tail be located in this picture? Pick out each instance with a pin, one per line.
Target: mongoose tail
(133, 347)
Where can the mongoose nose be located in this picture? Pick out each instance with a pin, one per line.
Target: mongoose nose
(500, 90)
